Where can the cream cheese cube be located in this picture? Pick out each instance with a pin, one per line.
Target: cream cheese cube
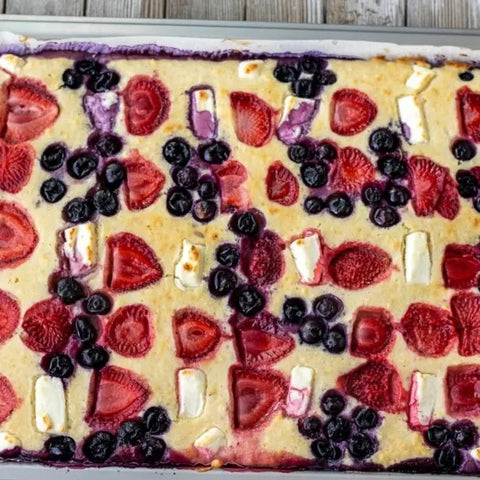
(8, 442)
(210, 442)
(80, 247)
(192, 387)
(420, 78)
(250, 69)
(417, 259)
(307, 254)
(292, 103)
(108, 99)
(424, 391)
(475, 453)
(299, 391)
(411, 114)
(189, 268)
(50, 406)
(11, 63)
(204, 100)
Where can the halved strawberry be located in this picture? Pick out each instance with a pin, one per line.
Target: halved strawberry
(16, 163)
(46, 326)
(196, 334)
(351, 112)
(448, 204)
(468, 106)
(462, 384)
(461, 266)
(428, 330)
(144, 182)
(355, 265)
(147, 104)
(352, 170)
(282, 184)
(18, 236)
(8, 398)
(231, 168)
(253, 118)
(115, 395)
(466, 316)
(255, 396)
(231, 175)
(130, 263)
(129, 331)
(31, 110)
(9, 316)
(377, 384)
(372, 332)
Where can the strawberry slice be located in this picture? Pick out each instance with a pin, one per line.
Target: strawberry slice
(351, 112)
(466, 316)
(196, 334)
(253, 119)
(256, 395)
(31, 110)
(462, 397)
(461, 266)
(4, 87)
(448, 204)
(351, 171)
(372, 332)
(18, 237)
(231, 175)
(428, 330)
(231, 168)
(282, 184)
(377, 384)
(144, 182)
(468, 107)
(129, 331)
(355, 265)
(8, 398)
(115, 395)
(147, 104)
(130, 263)
(46, 326)
(9, 316)
(16, 164)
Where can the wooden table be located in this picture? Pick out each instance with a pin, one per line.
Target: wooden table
(413, 13)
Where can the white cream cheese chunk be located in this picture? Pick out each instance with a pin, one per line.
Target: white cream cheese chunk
(8, 442)
(210, 442)
(108, 99)
(307, 253)
(475, 453)
(192, 387)
(204, 100)
(292, 103)
(11, 63)
(417, 259)
(50, 407)
(299, 391)
(420, 78)
(411, 114)
(80, 247)
(424, 391)
(250, 69)
(189, 268)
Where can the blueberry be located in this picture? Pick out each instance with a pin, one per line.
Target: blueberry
(53, 190)
(314, 175)
(326, 151)
(186, 177)
(60, 448)
(207, 188)
(204, 210)
(464, 434)
(53, 157)
(448, 459)
(247, 300)
(437, 435)
(326, 77)
(153, 449)
(308, 64)
(79, 210)
(106, 202)
(463, 150)
(332, 402)
(81, 164)
(312, 330)
(383, 140)
(244, 223)
(113, 175)
(467, 184)
(94, 357)
(466, 76)
(228, 255)
(384, 216)
(304, 88)
(337, 429)
(58, 365)
(396, 195)
(69, 290)
(476, 204)
(107, 144)
(179, 201)
(177, 152)
(365, 418)
(310, 427)
(339, 205)
(285, 73)
(214, 152)
(131, 432)
(221, 282)
(84, 330)
(372, 194)
(103, 81)
(393, 167)
(335, 340)
(327, 306)
(99, 446)
(325, 450)
(361, 446)
(98, 303)
(313, 205)
(87, 67)
(156, 420)
(300, 153)
(72, 79)
(294, 309)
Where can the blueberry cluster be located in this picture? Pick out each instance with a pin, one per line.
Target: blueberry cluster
(98, 78)
(468, 187)
(223, 280)
(316, 328)
(463, 150)
(306, 76)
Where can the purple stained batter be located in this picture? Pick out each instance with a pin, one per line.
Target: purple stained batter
(203, 123)
(298, 122)
(101, 115)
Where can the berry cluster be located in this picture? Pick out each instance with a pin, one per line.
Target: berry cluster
(223, 280)
(468, 185)
(98, 78)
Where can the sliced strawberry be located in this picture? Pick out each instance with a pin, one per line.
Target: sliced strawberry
(466, 316)
(461, 266)
(18, 237)
(31, 110)
(46, 326)
(351, 112)
(253, 119)
(282, 184)
(196, 334)
(355, 265)
(448, 204)
(428, 330)
(115, 395)
(462, 398)
(372, 332)
(352, 170)
(231, 175)
(4, 87)
(144, 182)
(231, 168)
(147, 104)
(468, 106)
(376, 384)
(255, 396)
(9, 316)
(129, 331)
(16, 163)
(8, 398)
(130, 263)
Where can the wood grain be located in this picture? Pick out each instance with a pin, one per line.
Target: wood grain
(124, 8)
(297, 11)
(440, 13)
(366, 12)
(45, 7)
(206, 9)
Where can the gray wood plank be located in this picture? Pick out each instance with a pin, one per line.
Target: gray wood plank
(125, 8)
(206, 9)
(366, 12)
(298, 11)
(154, 9)
(439, 13)
(45, 7)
